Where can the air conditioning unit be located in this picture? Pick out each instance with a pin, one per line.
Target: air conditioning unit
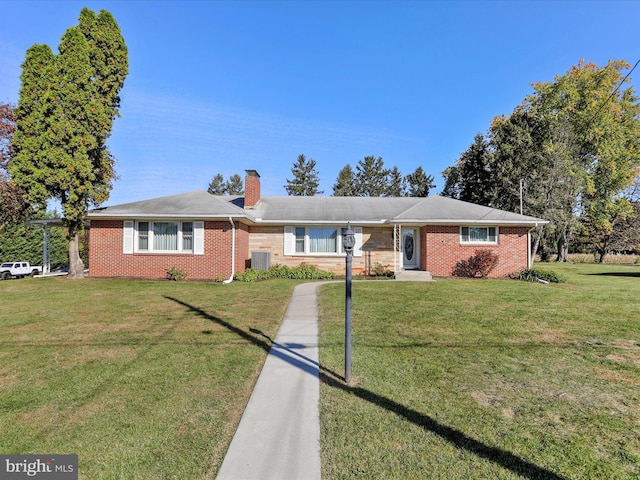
(260, 259)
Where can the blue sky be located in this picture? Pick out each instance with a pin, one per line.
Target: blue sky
(220, 87)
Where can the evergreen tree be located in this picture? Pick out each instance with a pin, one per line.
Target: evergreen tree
(305, 179)
(396, 184)
(217, 185)
(345, 183)
(371, 177)
(13, 208)
(234, 186)
(471, 178)
(419, 183)
(67, 106)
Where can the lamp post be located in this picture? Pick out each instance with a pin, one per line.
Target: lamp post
(348, 242)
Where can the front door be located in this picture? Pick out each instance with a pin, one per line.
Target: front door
(410, 248)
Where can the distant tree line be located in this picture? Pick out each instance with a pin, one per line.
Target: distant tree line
(370, 179)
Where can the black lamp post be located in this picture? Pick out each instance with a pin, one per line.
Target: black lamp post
(348, 242)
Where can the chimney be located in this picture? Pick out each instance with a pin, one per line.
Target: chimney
(251, 189)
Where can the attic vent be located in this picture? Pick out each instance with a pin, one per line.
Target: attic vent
(260, 259)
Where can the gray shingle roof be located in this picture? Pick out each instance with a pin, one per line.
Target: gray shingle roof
(196, 204)
(321, 210)
(436, 209)
(330, 209)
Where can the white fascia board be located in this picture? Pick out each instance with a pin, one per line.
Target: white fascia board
(162, 216)
(470, 222)
(259, 221)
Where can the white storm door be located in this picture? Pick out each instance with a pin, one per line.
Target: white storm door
(410, 248)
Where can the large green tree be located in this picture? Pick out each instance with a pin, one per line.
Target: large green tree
(68, 102)
(604, 113)
(574, 146)
(305, 181)
(13, 208)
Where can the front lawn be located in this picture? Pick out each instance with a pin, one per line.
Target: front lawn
(477, 379)
(142, 380)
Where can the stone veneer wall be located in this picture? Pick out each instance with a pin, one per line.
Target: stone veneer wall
(377, 248)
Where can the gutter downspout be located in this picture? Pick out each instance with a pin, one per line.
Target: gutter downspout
(530, 254)
(233, 252)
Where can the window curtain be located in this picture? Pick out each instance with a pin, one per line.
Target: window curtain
(165, 236)
(323, 240)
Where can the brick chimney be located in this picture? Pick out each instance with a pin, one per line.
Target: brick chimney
(251, 189)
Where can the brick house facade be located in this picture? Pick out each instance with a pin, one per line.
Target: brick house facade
(212, 237)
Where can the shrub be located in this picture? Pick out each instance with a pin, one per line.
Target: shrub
(478, 265)
(175, 274)
(301, 272)
(533, 275)
(380, 270)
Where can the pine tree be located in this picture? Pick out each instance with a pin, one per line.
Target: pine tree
(305, 179)
(217, 185)
(345, 183)
(372, 179)
(397, 184)
(234, 185)
(419, 183)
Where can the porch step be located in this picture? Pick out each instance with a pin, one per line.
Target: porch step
(413, 276)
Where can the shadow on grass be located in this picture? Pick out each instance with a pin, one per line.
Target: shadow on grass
(617, 274)
(496, 455)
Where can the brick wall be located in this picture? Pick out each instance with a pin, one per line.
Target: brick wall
(107, 260)
(442, 249)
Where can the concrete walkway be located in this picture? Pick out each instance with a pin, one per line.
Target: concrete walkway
(279, 433)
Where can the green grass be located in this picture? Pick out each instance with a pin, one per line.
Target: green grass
(451, 379)
(476, 379)
(143, 380)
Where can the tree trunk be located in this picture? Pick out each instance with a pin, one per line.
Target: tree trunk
(76, 265)
(563, 247)
(536, 244)
(602, 254)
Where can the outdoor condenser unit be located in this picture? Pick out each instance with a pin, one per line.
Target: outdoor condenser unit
(260, 259)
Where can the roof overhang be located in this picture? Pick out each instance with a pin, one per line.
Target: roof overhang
(443, 221)
(259, 221)
(167, 216)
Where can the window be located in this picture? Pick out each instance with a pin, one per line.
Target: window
(165, 236)
(143, 235)
(479, 235)
(320, 241)
(323, 240)
(300, 234)
(187, 236)
(174, 236)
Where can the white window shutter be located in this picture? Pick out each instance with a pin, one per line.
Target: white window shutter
(357, 249)
(127, 240)
(289, 241)
(198, 238)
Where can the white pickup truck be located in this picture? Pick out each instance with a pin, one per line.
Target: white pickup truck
(18, 270)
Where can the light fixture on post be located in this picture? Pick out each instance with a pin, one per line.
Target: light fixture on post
(348, 242)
